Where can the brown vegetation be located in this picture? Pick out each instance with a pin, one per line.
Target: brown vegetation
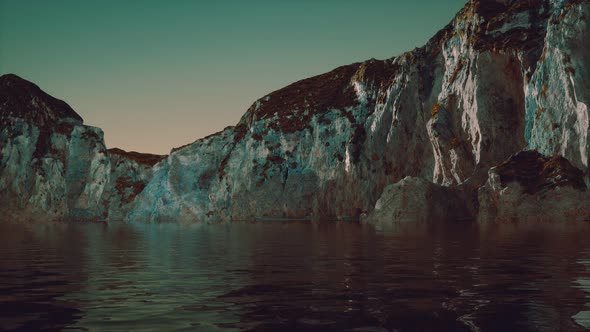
(123, 183)
(537, 173)
(257, 137)
(435, 109)
(20, 98)
(140, 158)
(457, 70)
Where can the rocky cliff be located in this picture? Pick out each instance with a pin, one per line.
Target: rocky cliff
(502, 77)
(53, 167)
(130, 174)
(531, 187)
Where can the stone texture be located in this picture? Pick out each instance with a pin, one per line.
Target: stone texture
(417, 200)
(503, 76)
(558, 93)
(530, 187)
(327, 146)
(130, 174)
(51, 165)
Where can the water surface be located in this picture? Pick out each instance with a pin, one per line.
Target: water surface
(293, 276)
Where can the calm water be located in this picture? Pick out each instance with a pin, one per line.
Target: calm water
(293, 277)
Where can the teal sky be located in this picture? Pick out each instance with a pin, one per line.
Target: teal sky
(159, 74)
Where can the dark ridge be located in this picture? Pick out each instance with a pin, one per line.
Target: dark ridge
(183, 146)
(333, 90)
(496, 13)
(491, 9)
(538, 173)
(223, 133)
(140, 158)
(435, 43)
(217, 133)
(20, 98)
(488, 9)
(319, 93)
(379, 72)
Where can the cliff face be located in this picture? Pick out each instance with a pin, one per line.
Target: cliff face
(130, 172)
(52, 166)
(558, 92)
(502, 77)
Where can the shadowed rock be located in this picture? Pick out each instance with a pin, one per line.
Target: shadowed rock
(20, 98)
(502, 77)
(141, 158)
(417, 200)
(531, 187)
(536, 173)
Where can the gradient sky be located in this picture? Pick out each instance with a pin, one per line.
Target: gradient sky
(159, 74)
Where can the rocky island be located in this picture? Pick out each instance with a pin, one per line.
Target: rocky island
(488, 121)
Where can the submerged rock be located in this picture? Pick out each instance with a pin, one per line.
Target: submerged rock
(531, 187)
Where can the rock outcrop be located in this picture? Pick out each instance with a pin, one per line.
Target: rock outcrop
(502, 77)
(446, 112)
(419, 201)
(53, 167)
(130, 174)
(530, 187)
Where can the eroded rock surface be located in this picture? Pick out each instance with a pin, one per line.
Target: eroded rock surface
(531, 187)
(130, 174)
(419, 201)
(446, 112)
(502, 77)
(52, 166)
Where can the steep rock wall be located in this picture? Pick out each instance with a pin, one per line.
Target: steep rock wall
(325, 147)
(51, 165)
(130, 173)
(559, 92)
(503, 76)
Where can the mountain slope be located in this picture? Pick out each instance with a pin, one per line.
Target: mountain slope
(53, 167)
(501, 77)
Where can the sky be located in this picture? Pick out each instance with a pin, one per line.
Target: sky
(159, 74)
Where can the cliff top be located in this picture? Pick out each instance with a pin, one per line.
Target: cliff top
(20, 98)
(487, 24)
(141, 158)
